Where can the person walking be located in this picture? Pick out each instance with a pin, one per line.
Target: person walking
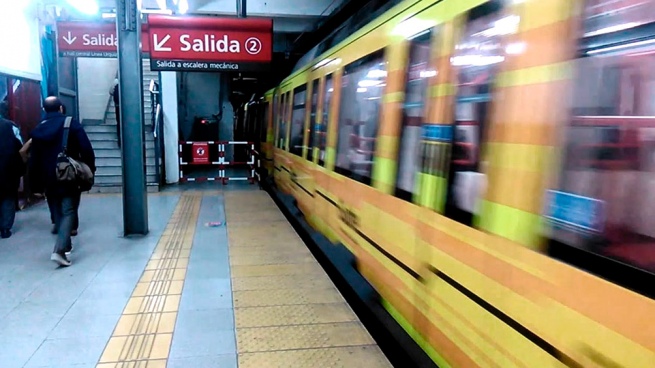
(11, 170)
(47, 144)
(115, 93)
(25, 152)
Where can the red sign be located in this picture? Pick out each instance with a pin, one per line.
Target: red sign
(91, 39)
(204, 43)
(200, 153)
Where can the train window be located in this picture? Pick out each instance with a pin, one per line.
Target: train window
(276, 112)
(298, 120)
(476, 59)
(362, 87)
(263, 118)
(322, 127)
(605, 199)
(418, 73)
(288, 103)
(608, 16)
(282, 123)
(312, 121)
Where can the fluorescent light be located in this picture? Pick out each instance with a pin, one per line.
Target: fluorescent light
(183, 7)
(501, 27)
(620, 47)
(108, 15)
(515, 48)
(361, 90)
(376, 73)
(476, 60)
(89, 7)
(322, 63)
(412, 26)
(610, 29)
(368, 83)
(427, 73)
(157, 11)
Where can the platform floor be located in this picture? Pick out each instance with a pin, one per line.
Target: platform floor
(247, 293)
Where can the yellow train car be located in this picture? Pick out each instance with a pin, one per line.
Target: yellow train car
(489, 164)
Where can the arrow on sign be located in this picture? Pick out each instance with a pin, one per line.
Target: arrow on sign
(70, 39)
(159, 46)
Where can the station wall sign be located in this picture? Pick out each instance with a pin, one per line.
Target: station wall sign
(209, 43)
(91, 39)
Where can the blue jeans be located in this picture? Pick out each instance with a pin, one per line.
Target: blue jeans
(7, 211)
(51, 207)
(64, 210)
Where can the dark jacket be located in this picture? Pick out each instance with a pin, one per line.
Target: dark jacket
(11, 163)
(47, 145)
(116, 95)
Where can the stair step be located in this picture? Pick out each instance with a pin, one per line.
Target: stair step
(110, 153)
(118, 179)
(108, 136)
(107, 144)
(100, 128)
(118, 170)
(118, 162)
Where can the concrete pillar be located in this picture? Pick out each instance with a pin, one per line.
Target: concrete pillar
(171, 121)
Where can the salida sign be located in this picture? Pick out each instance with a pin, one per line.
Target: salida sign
(203, 43)
(88, 39)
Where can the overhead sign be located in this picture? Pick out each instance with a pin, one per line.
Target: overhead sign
(209, 43)
(90, 39)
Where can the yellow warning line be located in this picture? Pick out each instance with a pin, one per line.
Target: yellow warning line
(142, 338)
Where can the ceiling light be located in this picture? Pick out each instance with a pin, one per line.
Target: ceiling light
(89, 7)
(183, 6)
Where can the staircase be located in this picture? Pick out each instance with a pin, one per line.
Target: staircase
(109, 174)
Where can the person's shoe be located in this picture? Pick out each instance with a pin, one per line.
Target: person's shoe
(5, 234)
(74, 233)
(60, 259)
(69, 250)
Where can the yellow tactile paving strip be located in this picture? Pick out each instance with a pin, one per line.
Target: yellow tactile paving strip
(288, 313)
(142, 338)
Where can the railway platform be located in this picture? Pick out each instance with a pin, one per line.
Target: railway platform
(222, 280)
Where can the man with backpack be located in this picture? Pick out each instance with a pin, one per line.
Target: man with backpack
(57, 143)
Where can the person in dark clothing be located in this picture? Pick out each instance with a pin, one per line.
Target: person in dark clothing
(11, 170)
(51, 205)
(116, 95)
(46, 146)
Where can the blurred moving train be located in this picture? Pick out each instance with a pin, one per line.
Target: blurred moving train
(491, 165)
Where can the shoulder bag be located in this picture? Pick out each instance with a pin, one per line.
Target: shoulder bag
(69, 170)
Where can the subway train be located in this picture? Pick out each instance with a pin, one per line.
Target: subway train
(491, 166)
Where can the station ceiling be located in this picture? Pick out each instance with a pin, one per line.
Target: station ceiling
(298, 25)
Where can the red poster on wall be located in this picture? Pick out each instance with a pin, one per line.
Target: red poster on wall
(200, 153)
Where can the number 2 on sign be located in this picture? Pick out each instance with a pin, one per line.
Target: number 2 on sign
(253, 46)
